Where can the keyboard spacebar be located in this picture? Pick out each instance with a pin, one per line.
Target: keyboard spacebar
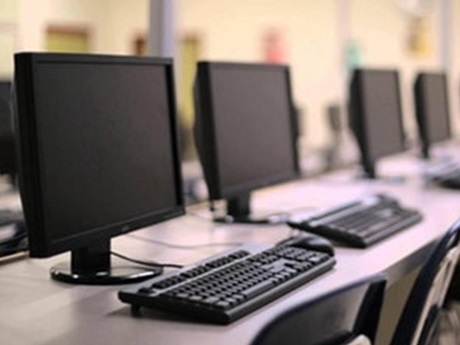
(341, 211)
(403, 223)
(258, 289)
(369, 231)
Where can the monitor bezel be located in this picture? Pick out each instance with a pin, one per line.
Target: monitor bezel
(31, 182)
(207, 133)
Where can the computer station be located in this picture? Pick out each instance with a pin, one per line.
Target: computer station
(199, 187)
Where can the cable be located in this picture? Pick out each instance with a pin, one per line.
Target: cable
(188, 247)
(12, 240)
(10, 251)
(145, 263)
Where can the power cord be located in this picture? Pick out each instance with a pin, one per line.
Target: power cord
(17, 242)
(145, 263)
(12, 240)
(188, 247)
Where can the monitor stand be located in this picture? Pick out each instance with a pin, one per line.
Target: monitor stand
(90, 265)
(239, 211)
(425, 152)
(370, 172)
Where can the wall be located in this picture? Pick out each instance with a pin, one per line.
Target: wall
(113, 24)
(124, 21)
(315, 31)
(8, 36)
(234, 30)
(382, 30)
(33, 20)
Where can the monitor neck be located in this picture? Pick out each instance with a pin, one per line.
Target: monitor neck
(369, 168)
(239, 207)
(95, 257)
(239, 211)
(425, 151)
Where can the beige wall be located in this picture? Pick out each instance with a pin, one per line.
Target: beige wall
(8, 36)
(113, 24)
(233, 30)
(34, 19)
(124, 21)
(383, 28)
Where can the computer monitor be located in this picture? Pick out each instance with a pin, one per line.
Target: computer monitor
(7, 142)
(375, 115)
(98, 156)
(245, 132)
(431, 109)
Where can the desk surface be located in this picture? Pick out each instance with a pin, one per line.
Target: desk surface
(37, 310)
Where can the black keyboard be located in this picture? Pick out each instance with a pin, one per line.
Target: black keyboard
(446, 175)
(451, 182)
(362, 222)
(227, 287)
(10, 216)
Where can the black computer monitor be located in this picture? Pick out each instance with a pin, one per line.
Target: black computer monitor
(98, 156)
(245, 132)
(431, 109)
(7, 141)
(375, 115)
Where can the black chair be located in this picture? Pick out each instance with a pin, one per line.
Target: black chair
(348, 315)
(419, 319)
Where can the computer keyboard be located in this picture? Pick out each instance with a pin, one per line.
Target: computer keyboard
(446, 175)
(360, 223)
(10, 216)
(227, 287)
(13, 239)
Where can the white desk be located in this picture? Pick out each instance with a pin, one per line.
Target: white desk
(36, 310)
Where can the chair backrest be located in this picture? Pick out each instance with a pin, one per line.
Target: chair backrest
(419, 318)
(348, 315)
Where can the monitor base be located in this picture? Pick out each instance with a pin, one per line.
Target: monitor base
(277, 218)
(115, 275)
(239, 211)
(396, 179)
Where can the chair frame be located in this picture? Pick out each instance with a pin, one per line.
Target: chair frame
(418, 320)
(367, 313)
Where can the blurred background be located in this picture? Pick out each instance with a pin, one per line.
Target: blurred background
(320, 40)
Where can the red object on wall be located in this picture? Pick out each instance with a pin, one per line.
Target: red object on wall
(274, 47)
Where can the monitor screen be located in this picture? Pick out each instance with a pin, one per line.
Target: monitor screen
(432, 108)
(376, 113)
(98, 147)
(245, 112)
